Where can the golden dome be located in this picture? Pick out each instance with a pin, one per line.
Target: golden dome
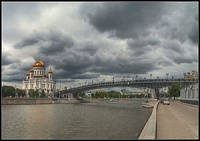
(49, 70)
(28, 73)
(38, 63)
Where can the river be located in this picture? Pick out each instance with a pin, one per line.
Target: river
(123, 119)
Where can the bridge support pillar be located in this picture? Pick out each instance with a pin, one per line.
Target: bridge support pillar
(155, 93)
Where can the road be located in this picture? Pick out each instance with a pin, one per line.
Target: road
(177, 121)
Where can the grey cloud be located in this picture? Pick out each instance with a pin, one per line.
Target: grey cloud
(88, 47)
(49, 43)
(26, 42)
(164, 63)
(10, 78)
(193, 35)
(142, 45)
(142, 42)
(174, 45)
(125, 20)
(8, 59)
(183, 59)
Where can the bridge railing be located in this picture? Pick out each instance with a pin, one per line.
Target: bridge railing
(132, 82)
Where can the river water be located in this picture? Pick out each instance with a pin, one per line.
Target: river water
(123, 119)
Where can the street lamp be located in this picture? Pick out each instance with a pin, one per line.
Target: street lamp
(113, 79)
(167, 75)
(136, 77)
(151, 76)
(124, 78)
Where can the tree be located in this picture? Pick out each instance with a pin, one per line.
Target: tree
(20, 92)
(8, 91)
(33, 94)
(174, 90)
(42, 94)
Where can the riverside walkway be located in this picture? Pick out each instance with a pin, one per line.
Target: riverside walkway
(177, 121)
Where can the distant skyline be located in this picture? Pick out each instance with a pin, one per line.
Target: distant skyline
(85, 41)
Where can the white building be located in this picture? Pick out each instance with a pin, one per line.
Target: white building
(36, 79)
(190, 94)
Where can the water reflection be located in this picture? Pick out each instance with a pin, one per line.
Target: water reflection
(117, 120)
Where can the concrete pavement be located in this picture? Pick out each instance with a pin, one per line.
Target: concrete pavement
(177, 121)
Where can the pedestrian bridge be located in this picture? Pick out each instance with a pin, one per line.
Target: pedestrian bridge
(147, 83)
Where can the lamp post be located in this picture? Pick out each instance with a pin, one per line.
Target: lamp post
(60, 88)
(167, 75)
(151, 76)
(136, 77)
(113, 79)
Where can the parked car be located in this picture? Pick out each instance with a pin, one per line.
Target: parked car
(166, 101)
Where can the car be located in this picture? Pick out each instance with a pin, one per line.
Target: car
(166, 101)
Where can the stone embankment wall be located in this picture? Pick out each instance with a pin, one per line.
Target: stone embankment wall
(25, 101)
(149, 130)
(29, 101)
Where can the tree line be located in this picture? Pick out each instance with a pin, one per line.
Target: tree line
(10, 91)
(113, 94)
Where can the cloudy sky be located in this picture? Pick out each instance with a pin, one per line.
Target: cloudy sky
(85, 41)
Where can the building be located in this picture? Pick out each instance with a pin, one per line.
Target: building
(36, 79)
(190, 93)
(192, 75)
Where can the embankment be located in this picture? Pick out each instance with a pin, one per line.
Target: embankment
(29, 101)
(149, 130)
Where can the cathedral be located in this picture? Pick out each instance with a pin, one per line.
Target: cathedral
(36, 79)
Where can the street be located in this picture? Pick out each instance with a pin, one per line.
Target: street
(177, 121)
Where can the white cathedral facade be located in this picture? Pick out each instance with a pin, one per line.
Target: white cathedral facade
(36, 79)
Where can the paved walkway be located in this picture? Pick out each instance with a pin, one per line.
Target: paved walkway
(177, 121)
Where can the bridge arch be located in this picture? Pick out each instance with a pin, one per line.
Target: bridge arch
(148, 83)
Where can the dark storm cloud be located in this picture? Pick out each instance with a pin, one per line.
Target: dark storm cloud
(193, 35)
(88, 47)
(27, 42)
(125, 20)
(174, 45)
(138, 67)
(183, 59)
(142, 45)
(12, 78)
(8, 59)
(142, 42)
(49, 43)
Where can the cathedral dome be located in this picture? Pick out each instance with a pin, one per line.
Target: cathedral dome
(28, 73)
(49, 70)
(38, 63)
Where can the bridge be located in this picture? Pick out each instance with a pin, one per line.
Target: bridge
(147, 83)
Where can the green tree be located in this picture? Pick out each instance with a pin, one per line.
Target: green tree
(174, 90)
(33, 94)
(20, 92)
(8, 91)
(42, 94)
(82, 94)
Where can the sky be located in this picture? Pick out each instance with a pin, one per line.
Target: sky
(92, 41)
